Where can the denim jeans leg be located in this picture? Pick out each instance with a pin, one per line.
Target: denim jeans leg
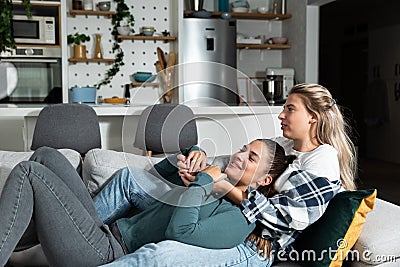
(176, 254)
(60, 166)
(68, 234)
(130, 187)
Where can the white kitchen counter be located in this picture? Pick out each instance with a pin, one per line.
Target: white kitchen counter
(121, 110)
(221, 129)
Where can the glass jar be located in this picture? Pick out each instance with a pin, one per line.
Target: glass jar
(77, 5)
(88, 4)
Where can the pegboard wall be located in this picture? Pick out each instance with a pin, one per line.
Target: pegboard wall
(139, 55)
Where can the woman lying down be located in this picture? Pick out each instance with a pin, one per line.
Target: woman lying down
(44, 200)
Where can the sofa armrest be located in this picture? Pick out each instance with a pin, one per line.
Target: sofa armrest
(380, 239)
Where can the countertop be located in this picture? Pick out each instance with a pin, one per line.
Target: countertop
(123, 110)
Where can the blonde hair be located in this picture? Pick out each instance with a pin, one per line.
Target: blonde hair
(332, 129)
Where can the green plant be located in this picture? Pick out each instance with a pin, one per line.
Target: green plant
(122, 17)
(7, 41)
(77, 38)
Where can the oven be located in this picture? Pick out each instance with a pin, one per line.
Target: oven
(31, 75)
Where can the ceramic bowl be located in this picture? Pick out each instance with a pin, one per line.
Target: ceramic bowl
(148, 30)
(148, 33)
(143, 77)
(279, 40)
(104, 5)
(262, 10)
(240, 9)
(124, 30)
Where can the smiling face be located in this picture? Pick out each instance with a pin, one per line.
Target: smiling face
(296, 121)
(249, 165)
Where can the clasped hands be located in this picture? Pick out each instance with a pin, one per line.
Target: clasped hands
(194, 163)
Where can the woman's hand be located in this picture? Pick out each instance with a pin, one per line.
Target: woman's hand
(189, 166)
(196, 161)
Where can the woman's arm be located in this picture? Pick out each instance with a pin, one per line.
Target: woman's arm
(225, 188)
(226, 227)
(302, 201)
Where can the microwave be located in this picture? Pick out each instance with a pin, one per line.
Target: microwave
(34, 30)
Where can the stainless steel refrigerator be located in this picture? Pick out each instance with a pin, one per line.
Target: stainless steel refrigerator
(209, 62)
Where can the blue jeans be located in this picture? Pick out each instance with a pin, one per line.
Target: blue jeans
(49, 191)
(176, 254)
(129, 188)
(138, 188)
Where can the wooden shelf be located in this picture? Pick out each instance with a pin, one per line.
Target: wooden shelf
(251, 15)
(73, 12)
(147, 38)
(263, 46)
(91, 60)
(144, 84)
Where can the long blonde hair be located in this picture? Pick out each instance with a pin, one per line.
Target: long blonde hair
(332, 129)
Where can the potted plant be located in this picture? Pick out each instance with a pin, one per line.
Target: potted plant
(77, 40)
(7, 41)
(122, 17)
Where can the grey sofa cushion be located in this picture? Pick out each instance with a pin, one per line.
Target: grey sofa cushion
(8, 159)
(100, 165)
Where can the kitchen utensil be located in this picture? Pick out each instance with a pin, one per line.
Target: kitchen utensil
(161, 58)
(172, 59)
(104, 5)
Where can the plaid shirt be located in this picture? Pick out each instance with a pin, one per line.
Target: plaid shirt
(301, 201)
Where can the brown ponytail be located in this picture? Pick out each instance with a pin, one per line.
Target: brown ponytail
(279, 163)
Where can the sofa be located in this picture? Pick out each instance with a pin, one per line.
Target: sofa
(378, 244)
